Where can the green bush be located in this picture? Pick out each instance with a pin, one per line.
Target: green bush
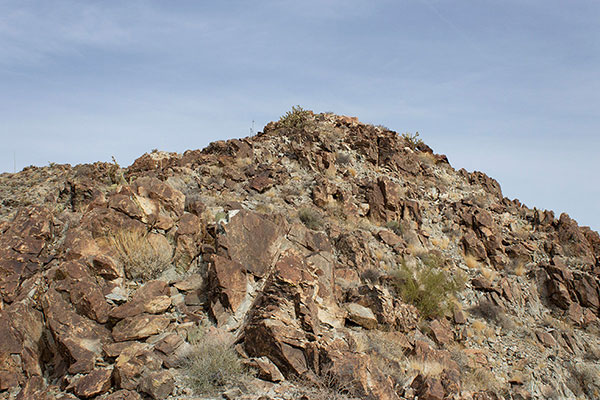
(296, 119)
(428, 287)
(213, 365)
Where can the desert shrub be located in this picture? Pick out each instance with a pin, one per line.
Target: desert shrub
(143, 256)
(371, 275)
(343, 159)
(413, 141)
(492, 313)
(296, 119)
(428, 287)
(310, 218)
(585, 379)
(212, 364)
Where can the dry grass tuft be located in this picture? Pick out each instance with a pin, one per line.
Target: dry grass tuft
(143, 255)
(212, 365)
(471, 262)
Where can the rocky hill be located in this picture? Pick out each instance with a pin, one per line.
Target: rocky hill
(320, 259)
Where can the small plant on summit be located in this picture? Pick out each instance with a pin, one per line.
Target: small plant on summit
(428, 287)
(296, 119)
(413, 141)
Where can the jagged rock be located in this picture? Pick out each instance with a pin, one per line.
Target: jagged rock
(441, 332)
(133, 363)
(279, 289)
(85, 293)
(139, 327)
(228, 284)
(159, 385)
(79, 339)
(361, 315)
(428, 388)
(251, 240)
(21, 329)
(123, 395)
(93, 384)
(266, 369)
(151, 298)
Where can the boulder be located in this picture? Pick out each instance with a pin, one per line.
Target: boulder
(159, 385)
(139, 327)
(79, 340)
(361, 315)
(251, 240)
(93, 384)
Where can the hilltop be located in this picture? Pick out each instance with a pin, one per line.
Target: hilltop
(322, 258)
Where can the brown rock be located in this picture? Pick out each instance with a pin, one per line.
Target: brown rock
(159, 385)
(171, 199)
(428, 388)
(93, 384)
(227, 283)
(251, 240)
(86, 295)
(124, 395)
(152, 297)
(266, 369)
(261, 183)
(79, 339)
(21, 330)
(361, 315)
(441, 331)
(139, 327)
(133, 363)
(546, 339)
(191, 283)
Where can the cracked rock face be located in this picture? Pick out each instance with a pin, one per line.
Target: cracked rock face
(334, 258)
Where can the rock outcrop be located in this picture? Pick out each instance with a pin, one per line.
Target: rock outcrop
(336, 259)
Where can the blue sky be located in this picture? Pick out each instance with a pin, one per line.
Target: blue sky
(511, 88)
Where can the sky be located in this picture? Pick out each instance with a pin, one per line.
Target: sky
(510, 88)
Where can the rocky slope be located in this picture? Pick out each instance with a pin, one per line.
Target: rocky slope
(337, 259)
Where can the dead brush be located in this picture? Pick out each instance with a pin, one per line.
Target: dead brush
(143, 255)
(212, 364)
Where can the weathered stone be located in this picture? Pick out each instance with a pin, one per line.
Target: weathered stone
(133, 363)
(152, 298)
(441, 331)
(546, 339)
(266, 369)
(428, 388)
(227, 284)
(124, 395)
(360, 315)
(93, 384)
(21, 330)
(139, 327)
(86, 295)
(251, 240)
(159, 385)
(79, 339)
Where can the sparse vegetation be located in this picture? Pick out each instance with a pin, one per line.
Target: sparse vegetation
(310, 218)
(343, 159)
(295, 120)
(143, 255)
(492, 313)
(428, 287)
(212, 364)
(413, 141)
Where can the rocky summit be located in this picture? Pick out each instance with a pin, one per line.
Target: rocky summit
(322, 258)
